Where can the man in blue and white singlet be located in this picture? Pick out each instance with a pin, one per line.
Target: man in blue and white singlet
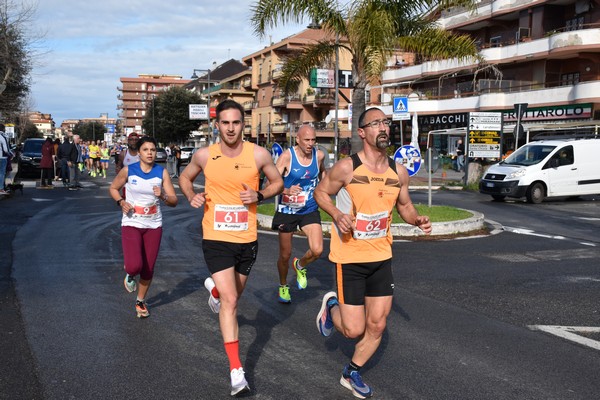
(301, 166)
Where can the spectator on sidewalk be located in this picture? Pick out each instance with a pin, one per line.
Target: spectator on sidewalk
(5, 156)
(76, 158)
(64, 153)
(47, 164)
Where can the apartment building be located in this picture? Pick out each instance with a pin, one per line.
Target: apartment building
(67, 125)
(137, 92)
(540, 53)
(275, 117)
(43, 122)
(224, 81)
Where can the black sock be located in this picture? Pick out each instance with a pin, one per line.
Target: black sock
(353, 367)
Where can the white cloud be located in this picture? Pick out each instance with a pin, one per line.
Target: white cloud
(92, 44)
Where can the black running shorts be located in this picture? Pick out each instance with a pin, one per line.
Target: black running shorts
(357, 281)
(291, 222)
(222, 255)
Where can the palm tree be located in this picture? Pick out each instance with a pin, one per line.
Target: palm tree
(370, 31)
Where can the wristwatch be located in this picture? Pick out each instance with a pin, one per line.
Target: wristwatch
(260, 197)
(119, 202)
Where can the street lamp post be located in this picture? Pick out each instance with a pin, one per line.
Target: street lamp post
(152, 115)
(194, 76)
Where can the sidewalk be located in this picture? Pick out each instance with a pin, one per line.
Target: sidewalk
(441, 177)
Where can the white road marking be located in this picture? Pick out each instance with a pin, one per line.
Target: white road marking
(523, 231)
(572, 333)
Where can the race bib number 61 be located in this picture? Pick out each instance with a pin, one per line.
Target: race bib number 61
(371, 226)
(231, 217)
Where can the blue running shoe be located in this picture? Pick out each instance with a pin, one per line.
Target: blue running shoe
(324, 321)
(353, 381)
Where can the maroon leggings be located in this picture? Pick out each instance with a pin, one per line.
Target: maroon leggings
(140, 250)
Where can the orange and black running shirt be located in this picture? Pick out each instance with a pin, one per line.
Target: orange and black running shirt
(370, 199)
(226, 219)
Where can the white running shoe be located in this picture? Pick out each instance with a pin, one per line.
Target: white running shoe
(130, 284)
(213, 303)
(239, 384)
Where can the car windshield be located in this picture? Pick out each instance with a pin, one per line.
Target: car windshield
(33, 146)
(529, 155)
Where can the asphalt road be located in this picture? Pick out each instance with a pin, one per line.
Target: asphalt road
(459, 328)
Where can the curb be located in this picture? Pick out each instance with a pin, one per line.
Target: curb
(476, 222)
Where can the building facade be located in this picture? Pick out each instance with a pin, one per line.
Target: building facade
(543, 55)
(43, 122)
(274, 116)
(137, 92)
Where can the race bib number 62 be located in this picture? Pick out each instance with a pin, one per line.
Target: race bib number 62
(231, 217)
(371, 226)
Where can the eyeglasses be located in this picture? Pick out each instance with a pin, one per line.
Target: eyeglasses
(375, 124)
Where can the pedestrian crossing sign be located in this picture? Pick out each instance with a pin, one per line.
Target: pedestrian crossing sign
(400, 105)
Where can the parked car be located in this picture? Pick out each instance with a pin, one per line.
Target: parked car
(186, 154)
(161, 155)
(546, 168)
(29, 160)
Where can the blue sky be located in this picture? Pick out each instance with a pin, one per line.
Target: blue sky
(88, 46)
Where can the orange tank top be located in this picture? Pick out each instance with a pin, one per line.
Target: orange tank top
(226, 219)
(370, 199)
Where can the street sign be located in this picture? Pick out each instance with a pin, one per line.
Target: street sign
(400, 105)
(489, 137)
(485, 135)
(485, 121)
(198, 111)
(400, 117)
(276, 151)
(325, 78)
(410, 157)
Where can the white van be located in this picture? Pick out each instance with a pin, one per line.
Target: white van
(546, 168)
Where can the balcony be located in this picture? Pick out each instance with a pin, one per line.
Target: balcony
(325, 98)
(492, 97)
(557, 44)
(278, 101)
(281, 101)
(279, 127)
(277, 72)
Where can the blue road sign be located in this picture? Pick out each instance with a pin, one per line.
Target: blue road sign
(400, 105)
(410, 157)
(276, 151)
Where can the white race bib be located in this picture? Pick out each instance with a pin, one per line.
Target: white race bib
(231, 217)
(294, 201)
(370, 226)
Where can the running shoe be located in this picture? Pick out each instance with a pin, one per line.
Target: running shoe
(213, 302)
(284, 294)
(142, 309)
(130, 284)
(324, 321)
(239, 384)
(300, 274)
(353, 381)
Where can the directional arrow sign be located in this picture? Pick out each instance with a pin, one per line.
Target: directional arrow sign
(485, 121)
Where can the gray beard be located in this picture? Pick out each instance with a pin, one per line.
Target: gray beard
(382, 144)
